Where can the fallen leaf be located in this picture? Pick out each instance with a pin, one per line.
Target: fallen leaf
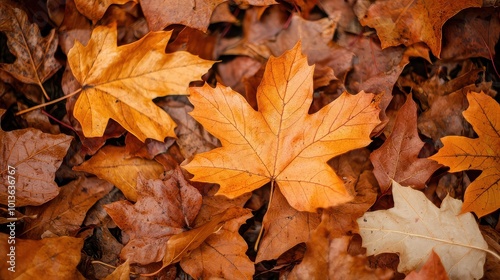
(327, 258)
(432, 269)
(32, 165)
(74, 27)
(222, 254)
(52, 258)
(411, 21)
(122, 272)
(35, 62)
(397, 159)
(415, 227)
(64, 214)
(120, 82)
(162, 13)
(163, 209)
(284, 227)
(251, 140)
(115, 166)
(95, 9)
(461, 153)
(482, 27)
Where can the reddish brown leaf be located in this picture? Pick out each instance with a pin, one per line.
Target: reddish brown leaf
(397, 159)
(33, 165)
(64, 214)
(409, 21)
(195, 14)
(52, 258)
(432, 269)
(95, 9)
(114, 165)
(163, 209)
(284, 227)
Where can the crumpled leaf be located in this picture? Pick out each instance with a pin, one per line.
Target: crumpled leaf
(460, 153)
(95, 9)
(120, 82)
(52, 258)
(412, 21)
(432, 269)
(415, 227)
(281, 142)
(35, 62)
(327, 258)
(114, 165)
(397, 159)
(163, 209)
(35, 164)
(64, 214)
(195, 14)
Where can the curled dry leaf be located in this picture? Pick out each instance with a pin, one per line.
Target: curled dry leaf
(163, 209)
(32, 165)
(52, 258)
(95, 9)
(281, 142)
(120, 82)
(482, 196)
(195, 14)
(415, 227)
(114, 165)
(122, 272)
(35, 62)
(64, 214)
(409, 22)
(397, 159)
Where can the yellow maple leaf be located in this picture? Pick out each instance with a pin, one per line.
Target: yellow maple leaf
(461, 153)
(281, 142)
(120, 82)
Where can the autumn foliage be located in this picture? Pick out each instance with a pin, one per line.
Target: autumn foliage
(232, 139)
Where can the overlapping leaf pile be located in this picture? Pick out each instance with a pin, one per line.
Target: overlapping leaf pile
(250, 139)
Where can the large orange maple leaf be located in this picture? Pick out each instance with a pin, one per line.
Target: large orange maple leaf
(281, 142)
(460, 153)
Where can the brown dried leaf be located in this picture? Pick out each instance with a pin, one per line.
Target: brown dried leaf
(163, 209)
(95, 9)
(114, 165)
(64, 214)
(432, 269)
(35, 164)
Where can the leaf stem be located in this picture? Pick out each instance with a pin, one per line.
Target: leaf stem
(48, 103)
(256, 246)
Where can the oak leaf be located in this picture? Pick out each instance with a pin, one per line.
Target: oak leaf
(432, 269)
(115, 166)
(195, 14)
(163, 208)
(482, 196)
(397, 159)
(35, 164)
(281, 142)
(120, 82)
(412, 21)
(415, 227)
(327, 258)
(52, 258)
(64, 214)
(35, 62)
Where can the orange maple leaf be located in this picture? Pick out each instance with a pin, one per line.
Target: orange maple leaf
(460, 153)
(281, 142)
(120, 82)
